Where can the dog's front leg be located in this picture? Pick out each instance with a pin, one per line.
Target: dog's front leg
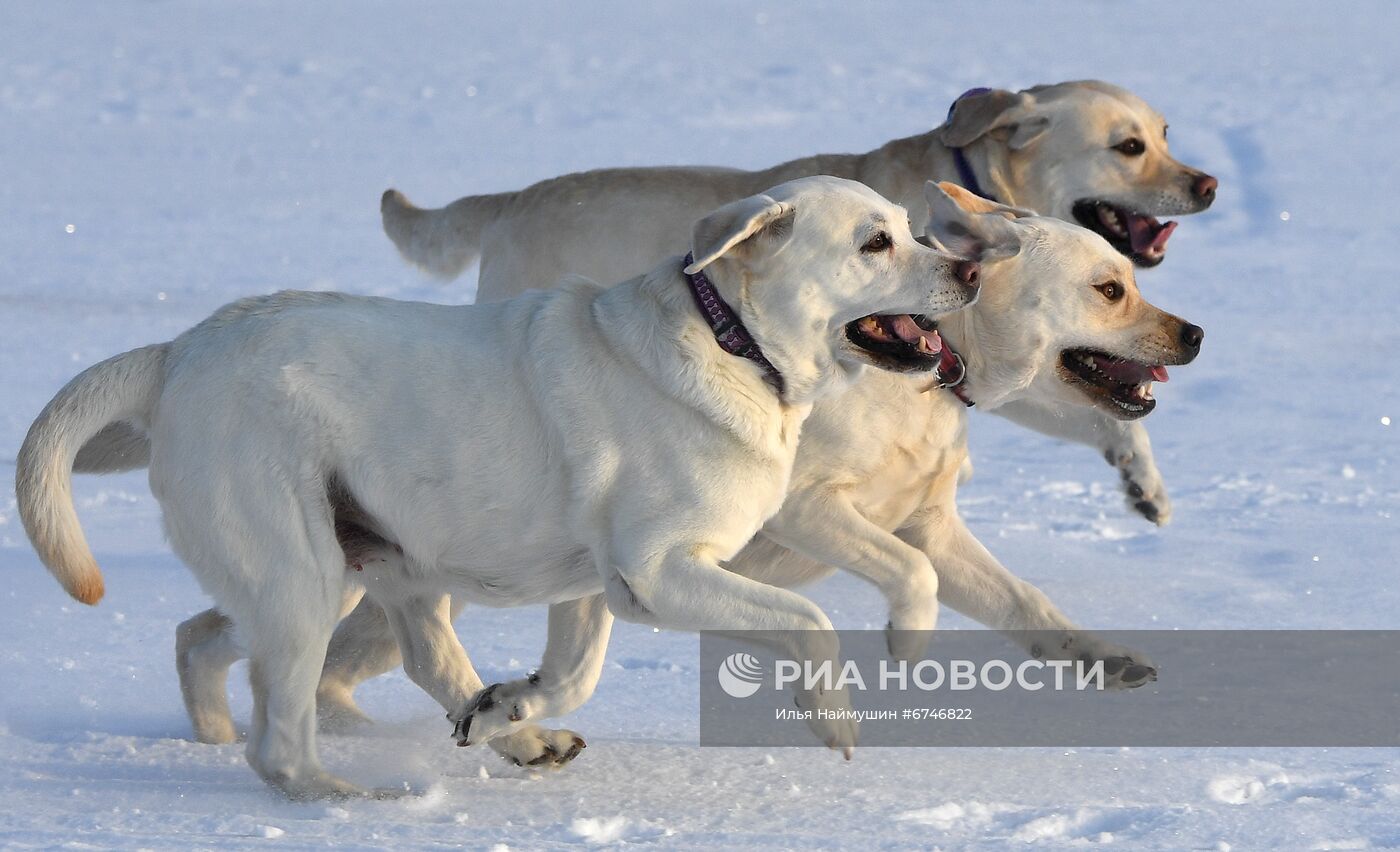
(1124, 444)
(974, 583)
(572, 664)
(682, 586)
(434, 659)
(824, 525)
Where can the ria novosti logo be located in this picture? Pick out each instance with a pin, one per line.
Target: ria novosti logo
(740, 675)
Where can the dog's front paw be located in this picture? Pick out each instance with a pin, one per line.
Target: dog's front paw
(1122, 668)
(907, 644)
(496, 711)
(1143, 488)
(831, 718)
(1128, 670)
(913, 614)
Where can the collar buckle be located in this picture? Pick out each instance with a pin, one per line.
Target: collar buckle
(954, 382)
(948, 382)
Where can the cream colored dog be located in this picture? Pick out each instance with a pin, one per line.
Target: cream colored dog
(1060, 322)
(1086, 152)
(575, 444)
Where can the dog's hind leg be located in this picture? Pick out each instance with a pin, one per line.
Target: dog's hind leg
(264, 545)
(205, 647)
(573, 662)
(434, 659)
(287, 636)
(363, 646)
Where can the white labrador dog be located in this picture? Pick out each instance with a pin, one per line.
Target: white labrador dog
(618, 443)
(1060, 321)
(1085, 151)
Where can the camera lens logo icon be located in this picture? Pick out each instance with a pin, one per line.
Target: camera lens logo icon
(740, 675)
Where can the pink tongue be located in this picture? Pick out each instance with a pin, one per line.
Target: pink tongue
(1127, 372)
(1130, 372)
(909, 332)
(1146, 235)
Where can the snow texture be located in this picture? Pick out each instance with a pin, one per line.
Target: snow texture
(161, 159)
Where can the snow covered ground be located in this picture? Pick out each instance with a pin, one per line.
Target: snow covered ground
(160, 159)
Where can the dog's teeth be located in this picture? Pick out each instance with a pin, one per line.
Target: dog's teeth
(924, 347)
(1110, 218)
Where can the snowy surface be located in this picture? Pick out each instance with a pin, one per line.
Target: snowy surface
(161, 159)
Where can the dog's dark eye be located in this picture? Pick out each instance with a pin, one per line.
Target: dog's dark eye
(1112, 291)
(1130, 147)
(879, 242)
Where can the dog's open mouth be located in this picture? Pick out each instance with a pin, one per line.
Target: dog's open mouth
(1139, 236)
(1121, 385)
(898, 341)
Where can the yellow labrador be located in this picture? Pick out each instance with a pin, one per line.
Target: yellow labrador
(1085, 151)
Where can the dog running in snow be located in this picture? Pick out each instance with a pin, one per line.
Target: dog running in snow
(612, 444)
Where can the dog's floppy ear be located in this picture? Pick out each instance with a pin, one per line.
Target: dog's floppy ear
(971, 201)
(1008, 114)
(735, 223)
(970, 225)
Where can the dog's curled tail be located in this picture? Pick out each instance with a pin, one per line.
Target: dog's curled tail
(120, 389)
(441, 242)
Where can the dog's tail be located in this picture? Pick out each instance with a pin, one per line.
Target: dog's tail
(91, 415)
(443, 241)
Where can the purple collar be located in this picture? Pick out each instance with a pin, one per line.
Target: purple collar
(729, 331)
(966, 175)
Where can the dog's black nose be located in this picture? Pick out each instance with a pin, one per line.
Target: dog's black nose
(969, 272)
(1192, 335)
(1204, 187)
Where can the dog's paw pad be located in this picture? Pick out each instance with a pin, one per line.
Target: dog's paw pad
(1136, 675)
(552, 756)
(1124, 672)
(1149, 510)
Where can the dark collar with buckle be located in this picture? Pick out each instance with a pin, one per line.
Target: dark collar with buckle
(965, 173)
(729, 331)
